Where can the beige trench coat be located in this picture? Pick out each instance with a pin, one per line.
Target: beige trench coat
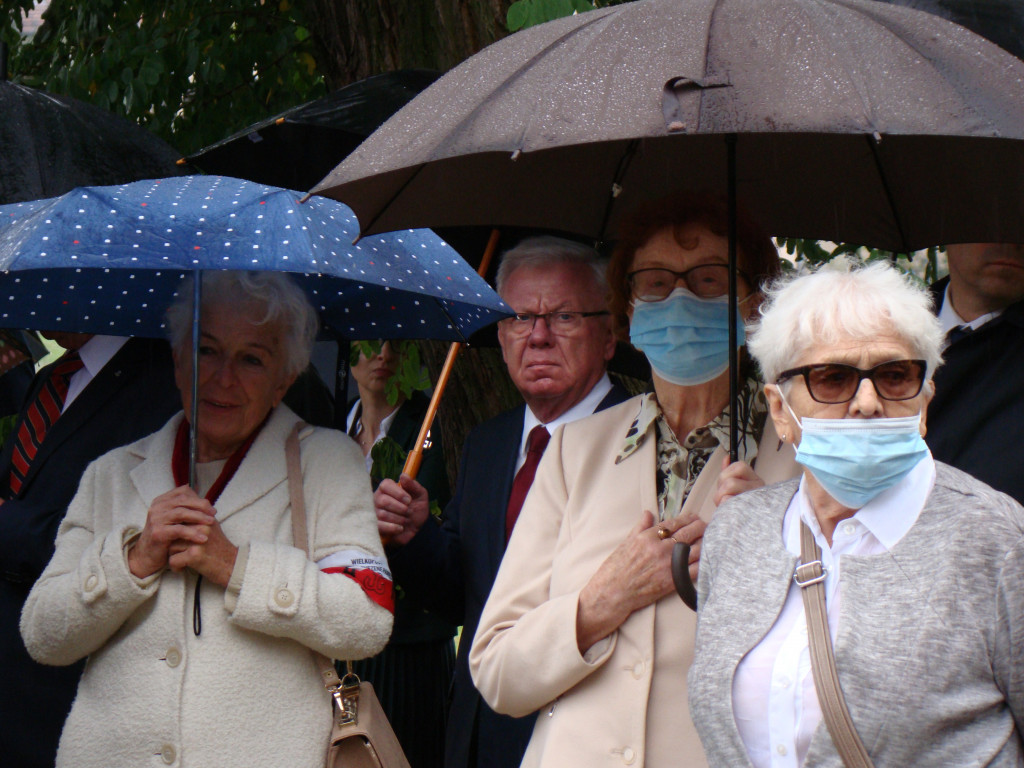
(624, 703)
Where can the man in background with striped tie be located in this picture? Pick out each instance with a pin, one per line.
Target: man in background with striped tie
(976, 419)
(104, 392)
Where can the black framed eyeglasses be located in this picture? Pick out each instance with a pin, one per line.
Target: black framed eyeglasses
(833, 383)
(560, 322)
(708, 281)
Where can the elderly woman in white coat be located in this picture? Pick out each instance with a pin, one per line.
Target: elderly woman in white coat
(196, 611)
(924, 565)
(583, 623)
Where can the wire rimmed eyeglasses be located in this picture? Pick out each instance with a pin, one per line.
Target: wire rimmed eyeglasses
(560, 322)
(834, 383)
(708, 281)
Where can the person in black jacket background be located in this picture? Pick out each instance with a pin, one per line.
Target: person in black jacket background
(976, 419)
(413, 674)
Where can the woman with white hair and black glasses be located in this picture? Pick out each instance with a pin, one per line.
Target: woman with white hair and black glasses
(911, 573)
(197, 612)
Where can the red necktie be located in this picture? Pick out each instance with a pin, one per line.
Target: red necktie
(40, 416)
(535, 445)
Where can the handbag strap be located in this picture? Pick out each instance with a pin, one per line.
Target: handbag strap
(300, 538)
(810, 577)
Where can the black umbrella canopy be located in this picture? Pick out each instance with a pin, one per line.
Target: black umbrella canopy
(298, 147)
(51, 144)
(854, 121)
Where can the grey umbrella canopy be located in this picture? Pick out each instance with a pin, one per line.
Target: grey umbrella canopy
(853, 120)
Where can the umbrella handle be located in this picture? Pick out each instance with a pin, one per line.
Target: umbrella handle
(681, 574)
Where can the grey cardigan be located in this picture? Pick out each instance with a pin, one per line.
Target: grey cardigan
(930, 646)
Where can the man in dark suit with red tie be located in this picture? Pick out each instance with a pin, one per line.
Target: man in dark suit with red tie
(556, 348)
(108, 391)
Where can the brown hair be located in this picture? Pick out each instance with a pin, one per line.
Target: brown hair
(756, 255)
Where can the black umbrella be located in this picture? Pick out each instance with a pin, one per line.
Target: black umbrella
(51, 144)
(298, 147)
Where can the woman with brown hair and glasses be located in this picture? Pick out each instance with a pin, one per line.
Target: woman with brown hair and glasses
(922, 566)
(583, 623)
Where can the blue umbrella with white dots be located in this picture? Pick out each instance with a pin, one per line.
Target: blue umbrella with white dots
(110, 260)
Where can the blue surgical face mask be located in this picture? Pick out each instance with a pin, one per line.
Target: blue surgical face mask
(684, 337)
(856, 459)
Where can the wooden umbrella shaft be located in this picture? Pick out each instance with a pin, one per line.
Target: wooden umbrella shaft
(415, 457)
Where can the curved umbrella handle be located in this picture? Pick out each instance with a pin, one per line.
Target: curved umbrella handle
(681, 574)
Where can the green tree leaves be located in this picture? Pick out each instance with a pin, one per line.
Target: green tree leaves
(189, 70)
(527, 13)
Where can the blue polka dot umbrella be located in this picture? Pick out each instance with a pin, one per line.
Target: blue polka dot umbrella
(110, 260)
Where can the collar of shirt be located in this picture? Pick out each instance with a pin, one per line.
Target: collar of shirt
(876, 527)
(95, 354)
(755, 408)
(583, 408)
(385, 425)
(949, 319)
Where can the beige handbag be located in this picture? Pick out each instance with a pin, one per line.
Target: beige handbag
(361, 736)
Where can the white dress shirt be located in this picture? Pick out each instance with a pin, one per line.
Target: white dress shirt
(583, 408)
(95, 354)
(774, 700)
(950, 319)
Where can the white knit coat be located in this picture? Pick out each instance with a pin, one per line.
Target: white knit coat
(246, 692)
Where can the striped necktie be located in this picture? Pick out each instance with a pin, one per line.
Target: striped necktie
(41, 415)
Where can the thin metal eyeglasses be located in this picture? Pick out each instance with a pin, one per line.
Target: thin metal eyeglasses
(708, 281)
(560, 322)
(833, 383)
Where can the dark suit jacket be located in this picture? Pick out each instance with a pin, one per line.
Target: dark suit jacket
(133, 395)
(450, 569)
(976, 418)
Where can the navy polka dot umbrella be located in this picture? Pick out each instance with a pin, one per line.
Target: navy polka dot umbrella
(110, 260)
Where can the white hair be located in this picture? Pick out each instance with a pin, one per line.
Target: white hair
(545, 250)
(843, 302)
(279, 299)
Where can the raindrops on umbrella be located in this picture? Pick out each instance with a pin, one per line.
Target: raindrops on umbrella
(113, 257)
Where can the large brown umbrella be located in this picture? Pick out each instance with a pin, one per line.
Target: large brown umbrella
(854, 121)
(844, 120)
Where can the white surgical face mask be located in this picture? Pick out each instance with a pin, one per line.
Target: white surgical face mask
(854, 460)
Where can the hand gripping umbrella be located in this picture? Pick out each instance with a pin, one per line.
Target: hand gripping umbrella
(111, 259)
(846, 120)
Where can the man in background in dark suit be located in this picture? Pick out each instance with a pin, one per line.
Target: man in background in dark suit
(976, 419)
(556, 349)
(123, 389)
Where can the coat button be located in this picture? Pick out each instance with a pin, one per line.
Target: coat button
(628, 756)
(284, 597)
(167, 753)
(638, 670)
(173, 657)
(90, 582)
